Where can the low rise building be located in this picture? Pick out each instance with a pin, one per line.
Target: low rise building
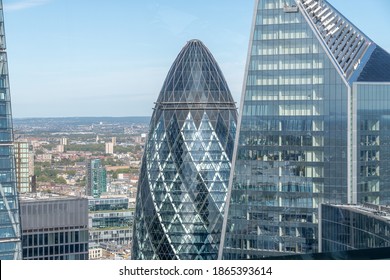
(351, 227)
(54, 227)
(110, 221)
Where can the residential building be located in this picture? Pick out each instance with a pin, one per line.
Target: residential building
(24, 163)
(96, 178)
(60, 148)
(10, 235)
(353, 227)
(110, 148)
(44, 157)
(95, 252)
(186, 164)
(313, 128)
(54, 227)
(64, 141)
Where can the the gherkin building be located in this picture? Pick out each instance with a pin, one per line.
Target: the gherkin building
(186, 165)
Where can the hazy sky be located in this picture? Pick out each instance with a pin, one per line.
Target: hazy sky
(110, 58)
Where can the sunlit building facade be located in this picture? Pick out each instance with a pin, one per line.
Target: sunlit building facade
(186, 164)
(313, 128)
(10, 235)
(24, 163)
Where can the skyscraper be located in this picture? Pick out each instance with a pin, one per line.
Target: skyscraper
(96, 178)
(10, 244)
(313, 128)
(187, 160)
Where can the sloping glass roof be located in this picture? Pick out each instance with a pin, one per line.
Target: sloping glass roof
(377, 69)
(346, 43)
(358, 57)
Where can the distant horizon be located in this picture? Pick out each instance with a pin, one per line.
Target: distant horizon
(80, 117)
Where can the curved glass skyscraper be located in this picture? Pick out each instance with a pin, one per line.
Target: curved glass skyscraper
(186, 164)
(10, 246)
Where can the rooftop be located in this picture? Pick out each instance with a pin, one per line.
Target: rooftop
(40, 196)
(377, 211)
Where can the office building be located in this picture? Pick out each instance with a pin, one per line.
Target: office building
(186, 164)
(313, 128)
(96, 178)
(10, 239)
(54, 227)
(353, 227)
(24, 163)
(110, 221)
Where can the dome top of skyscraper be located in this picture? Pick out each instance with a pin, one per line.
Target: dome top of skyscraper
(194, 79)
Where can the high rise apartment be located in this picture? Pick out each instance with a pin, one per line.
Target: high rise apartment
(187, 160)
(10, 245)
(313, 128)
(109, 148)
(24, 160)
(96, 178)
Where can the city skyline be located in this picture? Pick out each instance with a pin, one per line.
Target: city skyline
(111, 59)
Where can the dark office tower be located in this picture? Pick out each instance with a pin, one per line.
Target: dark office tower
(186, 164)
(314, 127)
(54, 227)
(10, 244)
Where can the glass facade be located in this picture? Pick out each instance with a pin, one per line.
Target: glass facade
(109, 203)
(372, 117)
(96, 178)
(296, 140)
(10, 239)
(351, 227)
(110, 220)
(187, 160)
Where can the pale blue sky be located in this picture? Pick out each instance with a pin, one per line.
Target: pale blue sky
(110, 58)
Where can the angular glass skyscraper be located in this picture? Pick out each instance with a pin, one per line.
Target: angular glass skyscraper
(10, 240)
(313, 128)
(187, 160)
